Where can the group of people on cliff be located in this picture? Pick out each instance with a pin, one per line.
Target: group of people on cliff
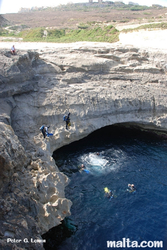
(44, 129)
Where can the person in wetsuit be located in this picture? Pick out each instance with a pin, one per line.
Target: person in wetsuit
(44, 130)
(68, 121)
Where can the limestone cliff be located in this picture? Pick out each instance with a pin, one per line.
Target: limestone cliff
(99, 85)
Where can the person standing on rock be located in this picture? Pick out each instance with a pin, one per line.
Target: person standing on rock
(13, 50)
(67, 120)
(43, 130)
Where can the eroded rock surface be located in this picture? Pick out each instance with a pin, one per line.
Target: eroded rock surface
(99, 85)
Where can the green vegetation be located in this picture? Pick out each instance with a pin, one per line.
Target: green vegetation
(83, 26)
(9, 31)
(147, 13)
(6, 33)
(124, 21)
(148, 26)
(95, 31)
(18, 27)
(139, 8)
(35, 34)
(94, 34)
(85, 32)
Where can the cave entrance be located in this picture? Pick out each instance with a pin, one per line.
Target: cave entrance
(115, 156)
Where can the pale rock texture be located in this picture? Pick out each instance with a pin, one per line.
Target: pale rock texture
(100, 85)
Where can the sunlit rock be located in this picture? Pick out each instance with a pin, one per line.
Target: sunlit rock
(99, 85)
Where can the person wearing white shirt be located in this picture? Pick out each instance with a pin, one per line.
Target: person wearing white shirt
(13, 50)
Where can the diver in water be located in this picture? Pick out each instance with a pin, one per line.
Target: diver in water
(131, 188)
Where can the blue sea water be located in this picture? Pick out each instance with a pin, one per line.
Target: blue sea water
(125, 156)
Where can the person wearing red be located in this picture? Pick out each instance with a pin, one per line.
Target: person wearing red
(13, 50)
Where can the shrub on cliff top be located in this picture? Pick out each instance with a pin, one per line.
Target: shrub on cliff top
(32, 34)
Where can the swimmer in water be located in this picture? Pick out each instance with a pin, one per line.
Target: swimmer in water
(82, 167)
(131, 188)
(108, 193)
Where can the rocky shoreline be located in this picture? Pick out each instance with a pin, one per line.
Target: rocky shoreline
(99, 84)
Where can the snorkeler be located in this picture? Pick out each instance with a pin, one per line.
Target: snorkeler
(82, 168)
(108, 193)
(131, 188)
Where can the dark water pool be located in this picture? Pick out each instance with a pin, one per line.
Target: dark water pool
(125, 156)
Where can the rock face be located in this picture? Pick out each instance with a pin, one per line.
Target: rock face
(3, 21)
(99, 85)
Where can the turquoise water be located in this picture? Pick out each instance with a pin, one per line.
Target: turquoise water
(125, 156)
